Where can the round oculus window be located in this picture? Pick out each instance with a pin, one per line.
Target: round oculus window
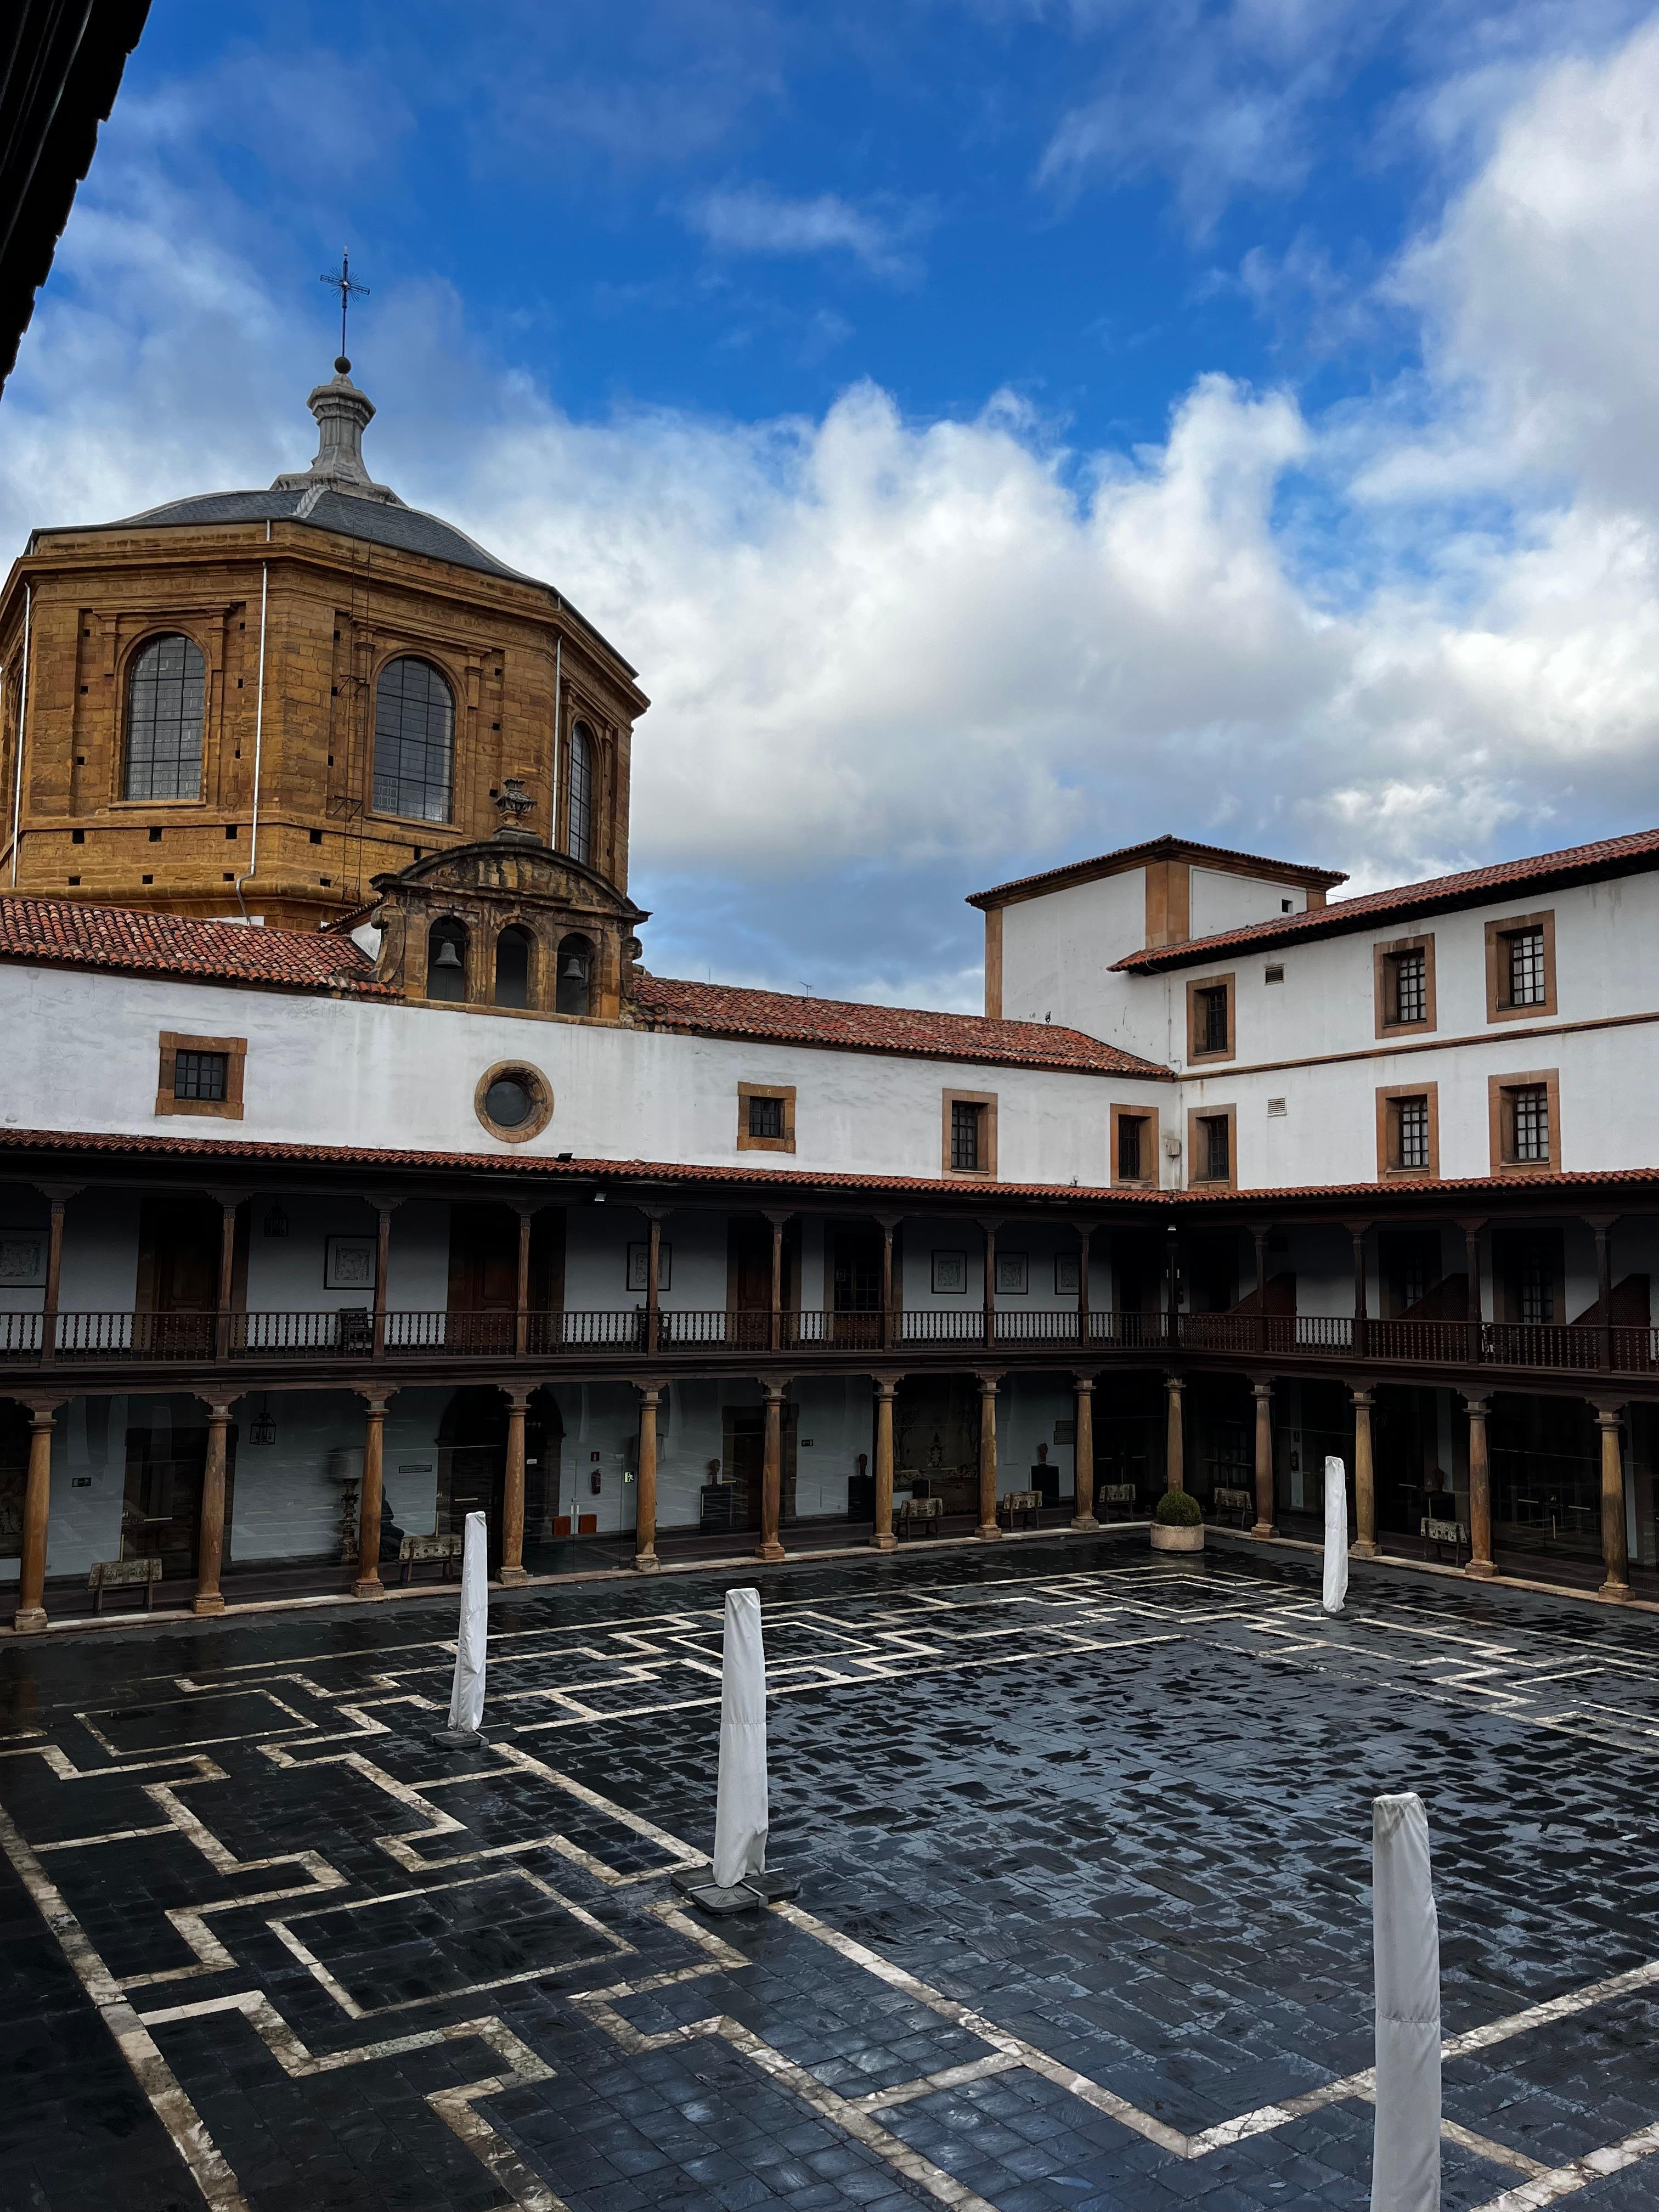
(509, 1102)
(514, 1102)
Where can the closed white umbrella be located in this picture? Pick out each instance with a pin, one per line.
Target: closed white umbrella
(1336, 1535)
(741, 1811)
(1405, 2149)
(466, 1696)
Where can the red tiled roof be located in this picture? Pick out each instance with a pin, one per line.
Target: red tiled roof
(1390, 1197)
(1607, 856)
(175, 945)
(721, 1010)
(1158, 849)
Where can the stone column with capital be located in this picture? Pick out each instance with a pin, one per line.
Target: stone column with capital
(1615, 1543)
(368, 1582)
(644, 1504)
(31, 1612)
(1082, 1450)
(1480, 1561)
(513, 1567)
(1174, 1439)
(210, 1529)
(770, 1547)
(882, 1538)
(1262, 1391)
(988, 1528)
(1364, 1478)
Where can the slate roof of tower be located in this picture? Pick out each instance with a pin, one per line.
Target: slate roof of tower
(410, 528)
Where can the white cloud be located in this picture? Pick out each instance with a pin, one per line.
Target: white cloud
(754, 219)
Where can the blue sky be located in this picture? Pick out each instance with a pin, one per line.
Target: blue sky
(996, 432)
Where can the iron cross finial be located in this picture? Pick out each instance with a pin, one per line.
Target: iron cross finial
(340, 278)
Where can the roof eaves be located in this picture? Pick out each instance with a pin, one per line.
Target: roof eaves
(1154, 848)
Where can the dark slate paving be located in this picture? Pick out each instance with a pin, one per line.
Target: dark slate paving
(1120, 1813)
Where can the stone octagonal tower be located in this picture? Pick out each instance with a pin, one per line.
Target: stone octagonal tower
(255, 702)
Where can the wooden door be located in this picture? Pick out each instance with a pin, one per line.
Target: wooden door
(179, 1245)
(161, 1505)
(855, 1284)
(483, 1277)
(745, 1457)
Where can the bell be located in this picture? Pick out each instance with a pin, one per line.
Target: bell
(575, 969)
(448, 954)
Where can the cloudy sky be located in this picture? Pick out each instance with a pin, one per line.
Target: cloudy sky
(997, 429)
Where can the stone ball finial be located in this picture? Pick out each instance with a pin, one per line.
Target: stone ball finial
(341, 366)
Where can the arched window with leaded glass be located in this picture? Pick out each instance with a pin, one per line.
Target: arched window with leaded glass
(167, 689)
(579, 798)
(414, 741)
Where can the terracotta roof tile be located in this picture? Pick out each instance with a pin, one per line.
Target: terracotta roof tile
(1607, 856)
(1157, 849)
(721, 1010)
(174, 944)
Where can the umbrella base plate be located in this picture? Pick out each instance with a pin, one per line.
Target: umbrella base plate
(458, 1739)
(755, 1890)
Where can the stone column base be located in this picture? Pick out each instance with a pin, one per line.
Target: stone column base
(1612, 1593)
(646, 1563)
(215, 1604)
(1263, 1530)
(375, 1588)
(771, 1553)
(889, 1543)
(1084, 1523)
(1361, 1550)
(988, 1531)
(1483, 1570)
(28, 1618)
(510, 1577)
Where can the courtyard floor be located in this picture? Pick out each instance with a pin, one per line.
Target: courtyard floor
(1084, 1847)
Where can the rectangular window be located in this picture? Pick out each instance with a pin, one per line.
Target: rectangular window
(1413, 1132)
(1217, 1148)
(1133, 1149)
(766, 1117)
(965, 1124)
(1131, 1135)
(1526, 966)
(1535, 1286)
(204, 1075)
(1411, 998)
(1530, 1108)
(1403, 984)
(201, 1075)
(1210, 1017)
(1409, 1131)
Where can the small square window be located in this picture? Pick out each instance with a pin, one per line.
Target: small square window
(1287, 906)
(155, 836)
(316, 837)
(203, 1075)
(77, 837)
(766, 1118)
(1274, 972)
(1277, 1107)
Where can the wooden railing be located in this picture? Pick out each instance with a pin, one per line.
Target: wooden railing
(348, 1335)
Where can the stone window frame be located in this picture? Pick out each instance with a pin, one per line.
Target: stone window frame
(986, 1170)
(171, 1043)
(541, 1092)
(1229, 982)
(127, 651)
(1388, 1132)
(440, 657)
(1147, 1179)
(786, 1092)
(1499, 1121)
(1383, 957)
(1498, 1008)
(1195, 1115)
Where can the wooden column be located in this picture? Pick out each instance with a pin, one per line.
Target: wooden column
(890, 1330)
(57, 1195)
(1471, 1267)
(513, 1567)
(1082, 1450)
(521, 1301)
(1361, 1311)
(1175, 1441)
(1365, 1478)
(770, 1546)
(988, 1528)
(31, 1612)
(882, 1538)
(1262, 1391)
(1601, 1228)
(1481, 1563)
(1616, 1549)
(653, 1282)
(1085, 1237)
(989, 1323)
(384, 1208)
(1260, 1232)
(228, 1202)
(368, 1582)
(210, 1530)
(779, 1221)
(645, 1506)
(1172, 1286)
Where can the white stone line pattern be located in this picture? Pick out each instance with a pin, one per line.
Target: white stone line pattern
(167, 2099)
(454, 2107)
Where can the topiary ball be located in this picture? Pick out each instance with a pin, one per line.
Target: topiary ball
(1178, 1508)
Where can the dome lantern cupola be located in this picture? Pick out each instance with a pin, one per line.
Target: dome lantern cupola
(343, 414)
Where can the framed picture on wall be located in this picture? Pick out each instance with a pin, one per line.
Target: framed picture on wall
(639, 1267)
(950, 1274)
(1065, 1274)
(349, 1263)
(1013, 1275)
(22, 1258)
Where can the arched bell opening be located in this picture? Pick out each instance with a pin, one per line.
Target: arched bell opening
(445, 959)
(515, 967)
(575, 975)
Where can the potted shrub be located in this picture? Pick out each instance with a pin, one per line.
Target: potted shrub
(1177, 1523)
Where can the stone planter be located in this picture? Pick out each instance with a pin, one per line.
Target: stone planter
(1177, 1540)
